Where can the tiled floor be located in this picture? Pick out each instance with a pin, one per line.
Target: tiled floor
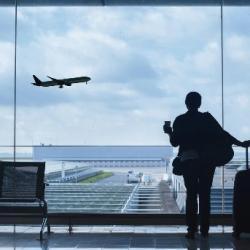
(92, 238)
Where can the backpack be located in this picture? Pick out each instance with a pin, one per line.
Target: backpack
(216, 146)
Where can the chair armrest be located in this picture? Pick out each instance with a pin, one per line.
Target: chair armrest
(19, 200)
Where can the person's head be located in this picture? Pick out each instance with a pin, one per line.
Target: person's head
(193, 101)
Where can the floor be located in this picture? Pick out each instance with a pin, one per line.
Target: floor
(114, 237)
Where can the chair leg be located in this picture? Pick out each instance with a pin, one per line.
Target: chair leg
(70, 229)
(42, 228)
(41, 236)
(48, 227)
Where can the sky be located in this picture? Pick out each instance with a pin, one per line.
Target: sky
(142, 62)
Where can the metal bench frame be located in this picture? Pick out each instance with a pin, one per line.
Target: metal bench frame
(15, 210)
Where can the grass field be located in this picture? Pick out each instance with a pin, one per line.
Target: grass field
(97, 177)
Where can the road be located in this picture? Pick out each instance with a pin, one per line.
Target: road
(156, 173)
(116, 178)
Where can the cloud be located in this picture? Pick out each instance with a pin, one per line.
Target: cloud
(84, 124)
(7, 24)
(7, 125)
(106, 58)
(142, 62)
(7, 58)
(237, 49)
(243, 101)
(246, 131)
(6, 73)
(126, 69)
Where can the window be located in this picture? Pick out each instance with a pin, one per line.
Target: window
(237, 89)
(7, 52)
(142, 61)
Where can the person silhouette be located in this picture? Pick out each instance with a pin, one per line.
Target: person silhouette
(189, 132)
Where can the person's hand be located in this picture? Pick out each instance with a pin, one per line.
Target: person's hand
(167, 129)
(246, 144)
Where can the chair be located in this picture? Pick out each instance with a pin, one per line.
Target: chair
(22, 191)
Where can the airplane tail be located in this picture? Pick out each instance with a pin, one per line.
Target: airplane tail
(37, 81)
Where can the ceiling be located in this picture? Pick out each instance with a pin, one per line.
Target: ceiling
(124, 2)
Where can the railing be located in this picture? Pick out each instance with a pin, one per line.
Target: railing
(129, 199)
(109, 198)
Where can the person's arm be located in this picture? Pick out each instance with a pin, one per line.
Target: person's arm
(173, 137)
(236, 142)
(230, 138)
(233, 140)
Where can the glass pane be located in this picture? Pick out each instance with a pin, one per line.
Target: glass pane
(7, 48)
(142, 62)
(237, 89)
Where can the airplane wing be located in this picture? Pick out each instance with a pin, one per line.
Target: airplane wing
(49, 83)
(76, 79)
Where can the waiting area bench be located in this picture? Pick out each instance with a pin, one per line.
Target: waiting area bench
(22, 190)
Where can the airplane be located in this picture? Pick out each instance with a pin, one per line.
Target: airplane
(60, 82)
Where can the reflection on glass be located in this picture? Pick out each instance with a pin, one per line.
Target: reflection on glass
(237, 89)
(142, 62)
(7, 48)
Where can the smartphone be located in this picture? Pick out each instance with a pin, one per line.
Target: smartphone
(167, 123)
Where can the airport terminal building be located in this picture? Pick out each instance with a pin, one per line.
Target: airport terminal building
(107, 156)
